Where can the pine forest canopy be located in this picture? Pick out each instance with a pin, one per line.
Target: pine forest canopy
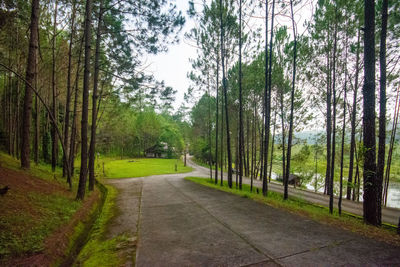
(263, 72)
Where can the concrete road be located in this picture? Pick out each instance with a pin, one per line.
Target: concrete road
(389, 215)
(180, 223)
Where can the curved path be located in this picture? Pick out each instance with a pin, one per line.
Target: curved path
(389, 215)
(180, 223)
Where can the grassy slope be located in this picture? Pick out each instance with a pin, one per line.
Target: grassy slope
(304, 208)
(141, 167)
(34, 207)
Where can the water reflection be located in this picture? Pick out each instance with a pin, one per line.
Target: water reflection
(316, 185)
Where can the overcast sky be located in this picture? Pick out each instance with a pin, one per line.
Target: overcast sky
(173, 66)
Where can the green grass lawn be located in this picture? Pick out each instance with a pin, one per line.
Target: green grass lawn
(303, 208)
(128, 168)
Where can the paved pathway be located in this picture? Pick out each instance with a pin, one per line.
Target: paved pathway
(389, 215)
(180, 223)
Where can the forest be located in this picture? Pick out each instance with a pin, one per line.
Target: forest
(73, 86)
(311, 89)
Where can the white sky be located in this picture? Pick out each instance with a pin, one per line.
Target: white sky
(173, 66)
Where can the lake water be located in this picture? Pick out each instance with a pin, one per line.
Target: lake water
(393, 199)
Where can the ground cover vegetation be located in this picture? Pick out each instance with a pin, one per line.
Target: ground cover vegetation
(37, 211)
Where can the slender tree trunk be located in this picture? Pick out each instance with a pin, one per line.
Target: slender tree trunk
(269, 93)
(289, 147)
(222, 138)
(37, 123)
(332, 178)
(74, 113)
(209, 127)
(253, 147)
(382, 111)
(247, 161)
(343, 135)
(92, 148)
(228, 138)
(370, 182)
(240, 154)
(9, 121)
(54, 141)
(261, 123)
(353, 122)
(37, 131)
(391, 146)
(17, 98)
(328, 123)
(30, 77)
(272, 148)
(216, 122)
(283, 139)
(267, 109)
(85, 102)
(68, 97)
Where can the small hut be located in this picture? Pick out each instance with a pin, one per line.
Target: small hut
(159, 150)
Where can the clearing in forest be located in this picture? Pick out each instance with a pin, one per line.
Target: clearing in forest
(129, 168)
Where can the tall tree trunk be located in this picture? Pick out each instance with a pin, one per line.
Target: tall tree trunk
(74, 113)
(253, 146)
(267, 109)
(228, 137)
(283, 138)
(343, 135)
(328, 122)
(9, 121)
(240, 155)
(68, 97)
(272, 148)
(391, 146)
(331, 181)
(216, 122)
(30, 77)
(289, 147)
(209, 127)
(37, 123)
(222, 138)
(353, 122)
(382, 111)
(37, 132)
(247, 161)
(17, 100)
(92, 149)
(370, 182)
(54, 140)
(269, 93)
(85, 102)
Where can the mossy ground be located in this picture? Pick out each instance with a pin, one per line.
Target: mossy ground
(35, 206)
(99, 250)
